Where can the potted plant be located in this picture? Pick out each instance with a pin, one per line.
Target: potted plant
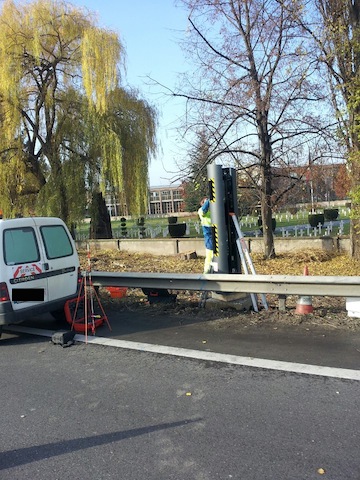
(316, 218)
(331, 214)
(177, 230)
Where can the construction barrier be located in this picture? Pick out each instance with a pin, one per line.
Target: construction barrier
(304, 304)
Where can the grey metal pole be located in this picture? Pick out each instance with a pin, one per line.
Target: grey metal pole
(231, 207)
(217, 212)
(231, 187)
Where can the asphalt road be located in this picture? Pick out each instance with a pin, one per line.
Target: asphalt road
(94, 412)
(305, 343)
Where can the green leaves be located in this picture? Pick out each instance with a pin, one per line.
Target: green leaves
(68, 128)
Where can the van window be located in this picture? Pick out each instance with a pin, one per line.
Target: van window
(56, 241)
(20, 246)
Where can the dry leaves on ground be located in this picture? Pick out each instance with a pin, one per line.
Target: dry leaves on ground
(328, 311)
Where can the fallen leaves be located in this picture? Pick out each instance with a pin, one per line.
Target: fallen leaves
(115, 261)
(318, 262)
(329, 312)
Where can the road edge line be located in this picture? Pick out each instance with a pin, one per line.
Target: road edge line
(301, 368)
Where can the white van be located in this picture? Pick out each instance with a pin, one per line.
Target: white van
(39, 268)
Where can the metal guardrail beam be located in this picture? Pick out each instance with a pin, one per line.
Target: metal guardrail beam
(236, 283)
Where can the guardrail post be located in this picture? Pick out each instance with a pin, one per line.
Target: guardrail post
(282, 302)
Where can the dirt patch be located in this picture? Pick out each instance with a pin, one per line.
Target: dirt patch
(328, 312)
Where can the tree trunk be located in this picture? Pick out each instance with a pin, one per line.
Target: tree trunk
(266, 185)
(64, 206)
(354, 164)
(266, 210)
(33, 163)
(266, 214)
(59, 187)
(355, 238)
(355, 209)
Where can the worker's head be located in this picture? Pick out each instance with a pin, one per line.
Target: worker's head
(203, 200)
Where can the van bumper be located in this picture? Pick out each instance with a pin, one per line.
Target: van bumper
(9, 316)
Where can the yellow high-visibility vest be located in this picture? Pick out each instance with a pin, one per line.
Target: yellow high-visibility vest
(204, 218)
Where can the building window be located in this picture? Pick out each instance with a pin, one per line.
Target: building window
(166, 195)
(177, 195)
(154, 196)
(161, 200)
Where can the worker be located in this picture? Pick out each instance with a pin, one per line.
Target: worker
(204, 214)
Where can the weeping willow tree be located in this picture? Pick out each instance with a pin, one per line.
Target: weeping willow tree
(133, 122)
(64, 129)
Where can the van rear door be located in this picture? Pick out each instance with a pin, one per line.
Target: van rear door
(23, 259)
(62, 260)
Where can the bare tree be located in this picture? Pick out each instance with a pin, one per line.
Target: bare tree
(258, 94)
(334, 26)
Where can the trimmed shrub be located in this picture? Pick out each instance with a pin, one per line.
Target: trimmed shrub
(123, 228)
(141, 224)
(177, 230)
(100, 224)
(172, 220)
(316, 218)
(331, 214)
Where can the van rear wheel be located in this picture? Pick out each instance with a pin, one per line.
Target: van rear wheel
(59, 315)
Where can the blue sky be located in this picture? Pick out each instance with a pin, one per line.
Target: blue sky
(150, 30)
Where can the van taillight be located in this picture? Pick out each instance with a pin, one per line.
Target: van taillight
(4, 293)
(79, 276)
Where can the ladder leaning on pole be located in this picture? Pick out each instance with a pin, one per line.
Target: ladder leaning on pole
(246, 261)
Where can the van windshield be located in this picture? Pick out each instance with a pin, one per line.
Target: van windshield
(56, 241)
(20, 246)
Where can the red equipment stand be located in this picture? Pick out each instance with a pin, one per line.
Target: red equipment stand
(85, 313)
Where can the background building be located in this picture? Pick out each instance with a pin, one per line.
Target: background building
(162, 201)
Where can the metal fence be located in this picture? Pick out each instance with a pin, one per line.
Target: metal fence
(236, 283)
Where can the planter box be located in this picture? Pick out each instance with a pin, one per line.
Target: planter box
(177, 230)
(316, 218)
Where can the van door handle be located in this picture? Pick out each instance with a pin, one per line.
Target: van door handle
(46, 266)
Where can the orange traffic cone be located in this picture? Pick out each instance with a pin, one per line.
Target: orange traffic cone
(304, 304)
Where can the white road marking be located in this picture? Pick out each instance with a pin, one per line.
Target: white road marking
(302, 368)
